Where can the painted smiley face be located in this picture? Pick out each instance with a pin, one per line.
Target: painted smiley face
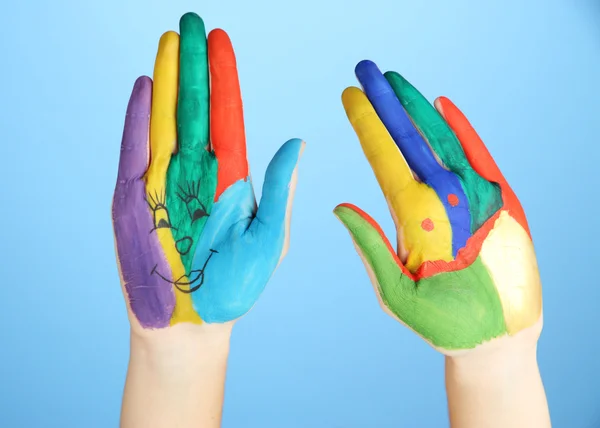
(191, 281)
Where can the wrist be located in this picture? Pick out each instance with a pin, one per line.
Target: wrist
(176, 377)
(498, 384)
(493, 366)
(506, 356)
(181, 349)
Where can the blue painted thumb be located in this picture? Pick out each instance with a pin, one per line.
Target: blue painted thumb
(274, 212)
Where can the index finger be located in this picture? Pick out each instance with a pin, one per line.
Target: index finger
(388, 164)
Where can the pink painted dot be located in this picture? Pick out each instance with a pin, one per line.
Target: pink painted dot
(453, 199)
(427, 225)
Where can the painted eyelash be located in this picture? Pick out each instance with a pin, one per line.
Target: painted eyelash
(191, 193)
(157, 201)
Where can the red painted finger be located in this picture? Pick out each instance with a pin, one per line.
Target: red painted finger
(479, 156)
(226, 113)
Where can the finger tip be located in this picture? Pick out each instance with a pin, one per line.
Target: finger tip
(337, 211)
(346, 214)
(220, 49)
(393, 78)
(142, 83)
(349, 92)
(141, 96)
(356, 105)
(365, 66)
(438, 103)
(169, 39)
(444, 106)
(343, 208)
(285, 161)
(351, 96)
(396, 80)
(190, 16)
(190, 19)
(371, 78)
(218, 34)
(296, 145)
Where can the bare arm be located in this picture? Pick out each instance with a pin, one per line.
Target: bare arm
(498, 387)
(180, 389)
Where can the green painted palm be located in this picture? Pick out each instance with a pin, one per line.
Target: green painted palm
(451, 310)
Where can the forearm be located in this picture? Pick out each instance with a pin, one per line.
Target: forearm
(175, 387)
(501, 389)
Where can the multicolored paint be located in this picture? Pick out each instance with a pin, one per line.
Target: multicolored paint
(455, 298)
(417, 153)
(192, 245)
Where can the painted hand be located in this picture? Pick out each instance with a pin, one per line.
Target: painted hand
(192, 245)
(466, 271)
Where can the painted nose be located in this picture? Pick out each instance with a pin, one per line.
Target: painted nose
(183, 245)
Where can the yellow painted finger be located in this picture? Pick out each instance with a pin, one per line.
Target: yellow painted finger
(163, 143)
(388, 164)
(424, 231)
(163, 124)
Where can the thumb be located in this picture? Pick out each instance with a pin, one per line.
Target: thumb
(273, 217)
(392, 280)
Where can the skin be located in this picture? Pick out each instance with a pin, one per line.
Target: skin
(482, 308)
(182, 309)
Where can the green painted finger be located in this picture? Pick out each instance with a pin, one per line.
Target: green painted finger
(430, 123)
(451, 310)
(193, 102)
(192, 173)
(484, 197)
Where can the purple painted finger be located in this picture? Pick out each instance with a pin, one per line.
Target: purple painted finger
(139, 252)
(134, 146)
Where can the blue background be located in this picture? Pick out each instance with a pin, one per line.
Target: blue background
(316, 351)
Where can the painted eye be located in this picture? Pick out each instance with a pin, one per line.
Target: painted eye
(189, 196)
(161, 217)
(195, 208)
(198, 214)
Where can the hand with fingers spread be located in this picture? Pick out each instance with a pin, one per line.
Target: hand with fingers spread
(464, 276)
(194, 250)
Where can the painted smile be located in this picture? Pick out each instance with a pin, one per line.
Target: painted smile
(193, 280)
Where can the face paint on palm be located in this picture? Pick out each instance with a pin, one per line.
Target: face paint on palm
(191, 242)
